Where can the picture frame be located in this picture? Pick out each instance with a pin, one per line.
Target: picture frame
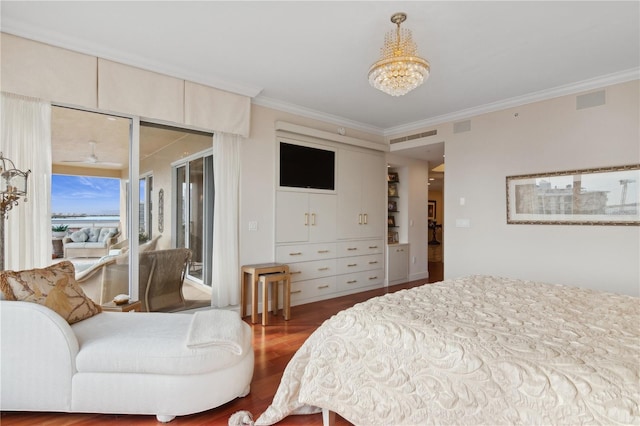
(391, 221)
(393, 206)
(392, 237)
(599, 196)
(392, 177)
(431, 210)
(393, 190)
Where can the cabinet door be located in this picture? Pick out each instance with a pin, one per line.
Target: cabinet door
(398, 263)
(373, 192)
(292, 216)
(349, 186)
(322, 217)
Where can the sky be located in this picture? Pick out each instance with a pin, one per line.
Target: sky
(83, 194)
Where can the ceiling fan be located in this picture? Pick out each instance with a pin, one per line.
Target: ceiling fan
(93, 158)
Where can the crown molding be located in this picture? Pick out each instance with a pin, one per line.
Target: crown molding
(568, 89)
(20, 29)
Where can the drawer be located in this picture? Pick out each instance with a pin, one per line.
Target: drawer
(359, 279)
(358, 248)
(347, 265)
(312, 288)
(305, 252)
(301, 271)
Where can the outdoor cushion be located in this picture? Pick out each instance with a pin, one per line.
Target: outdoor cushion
(79, 236)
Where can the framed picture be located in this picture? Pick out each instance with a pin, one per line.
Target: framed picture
(604, 196)
(391, 221)
(431, 210)
(393, 206)
(392, 177)
(392, 237)
(393, 190)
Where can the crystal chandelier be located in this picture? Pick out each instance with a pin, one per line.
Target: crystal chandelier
(399, 69)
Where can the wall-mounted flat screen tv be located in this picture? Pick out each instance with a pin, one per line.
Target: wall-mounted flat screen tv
(307, 167)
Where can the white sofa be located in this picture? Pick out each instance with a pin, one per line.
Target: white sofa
(119, 363)
(90, 242)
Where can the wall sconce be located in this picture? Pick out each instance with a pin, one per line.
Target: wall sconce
(13, 186)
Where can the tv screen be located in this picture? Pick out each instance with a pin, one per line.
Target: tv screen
(306, 167)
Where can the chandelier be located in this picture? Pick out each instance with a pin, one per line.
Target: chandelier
(399, 69)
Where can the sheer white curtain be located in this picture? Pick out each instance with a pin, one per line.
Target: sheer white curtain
(26, 140)
(226, 173)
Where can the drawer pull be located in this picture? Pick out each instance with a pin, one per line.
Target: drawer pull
(352, 264)
(296, 253)
(373, 247)
(373, 278)
(323, 251)
(373, 262)
(320, 287)
(352, 248)
(326, 268)
(352, 281)
(296, 291)
(295, 272)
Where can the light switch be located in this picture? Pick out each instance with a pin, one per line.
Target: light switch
(462, 201)
(253, 226)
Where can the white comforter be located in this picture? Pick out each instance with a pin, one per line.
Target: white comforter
(472, 351)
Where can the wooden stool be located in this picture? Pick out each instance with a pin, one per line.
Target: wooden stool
(249, 275)
(266, 281)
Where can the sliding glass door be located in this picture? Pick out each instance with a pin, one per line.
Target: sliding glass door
(194, 214)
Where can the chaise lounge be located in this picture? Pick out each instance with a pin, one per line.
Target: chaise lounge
(109, 362)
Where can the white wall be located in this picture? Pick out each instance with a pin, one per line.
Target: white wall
(544, 137)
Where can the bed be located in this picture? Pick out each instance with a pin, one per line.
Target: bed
(476, 350)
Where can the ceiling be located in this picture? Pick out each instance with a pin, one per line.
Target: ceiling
(312, 58)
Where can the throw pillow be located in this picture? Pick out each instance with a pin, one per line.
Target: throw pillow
(79, 236)
(105, 234)
(94, 234)
(54, 287)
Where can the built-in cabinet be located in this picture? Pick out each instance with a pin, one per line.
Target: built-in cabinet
(305, 217)
(360, 195)
(334, 241)
(398, 263)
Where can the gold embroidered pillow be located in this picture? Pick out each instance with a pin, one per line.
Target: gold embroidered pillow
(54, 287)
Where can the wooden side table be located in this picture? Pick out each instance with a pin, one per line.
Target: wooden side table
(135, 306)
(252, 273)
(58, 250)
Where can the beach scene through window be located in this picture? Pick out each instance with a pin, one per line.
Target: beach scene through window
(84, 201)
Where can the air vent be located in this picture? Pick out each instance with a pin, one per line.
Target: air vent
(462, 126)
(416, 136)
(590, 100)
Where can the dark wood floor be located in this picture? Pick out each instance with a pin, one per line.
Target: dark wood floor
(274, 346)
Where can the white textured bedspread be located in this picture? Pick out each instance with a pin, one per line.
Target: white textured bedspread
(473, 351)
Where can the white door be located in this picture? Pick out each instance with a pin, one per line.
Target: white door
(373, 195)
(322, 217)
(292, 217)
(349, 214)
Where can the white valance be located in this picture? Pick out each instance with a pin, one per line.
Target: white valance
(217, 110)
